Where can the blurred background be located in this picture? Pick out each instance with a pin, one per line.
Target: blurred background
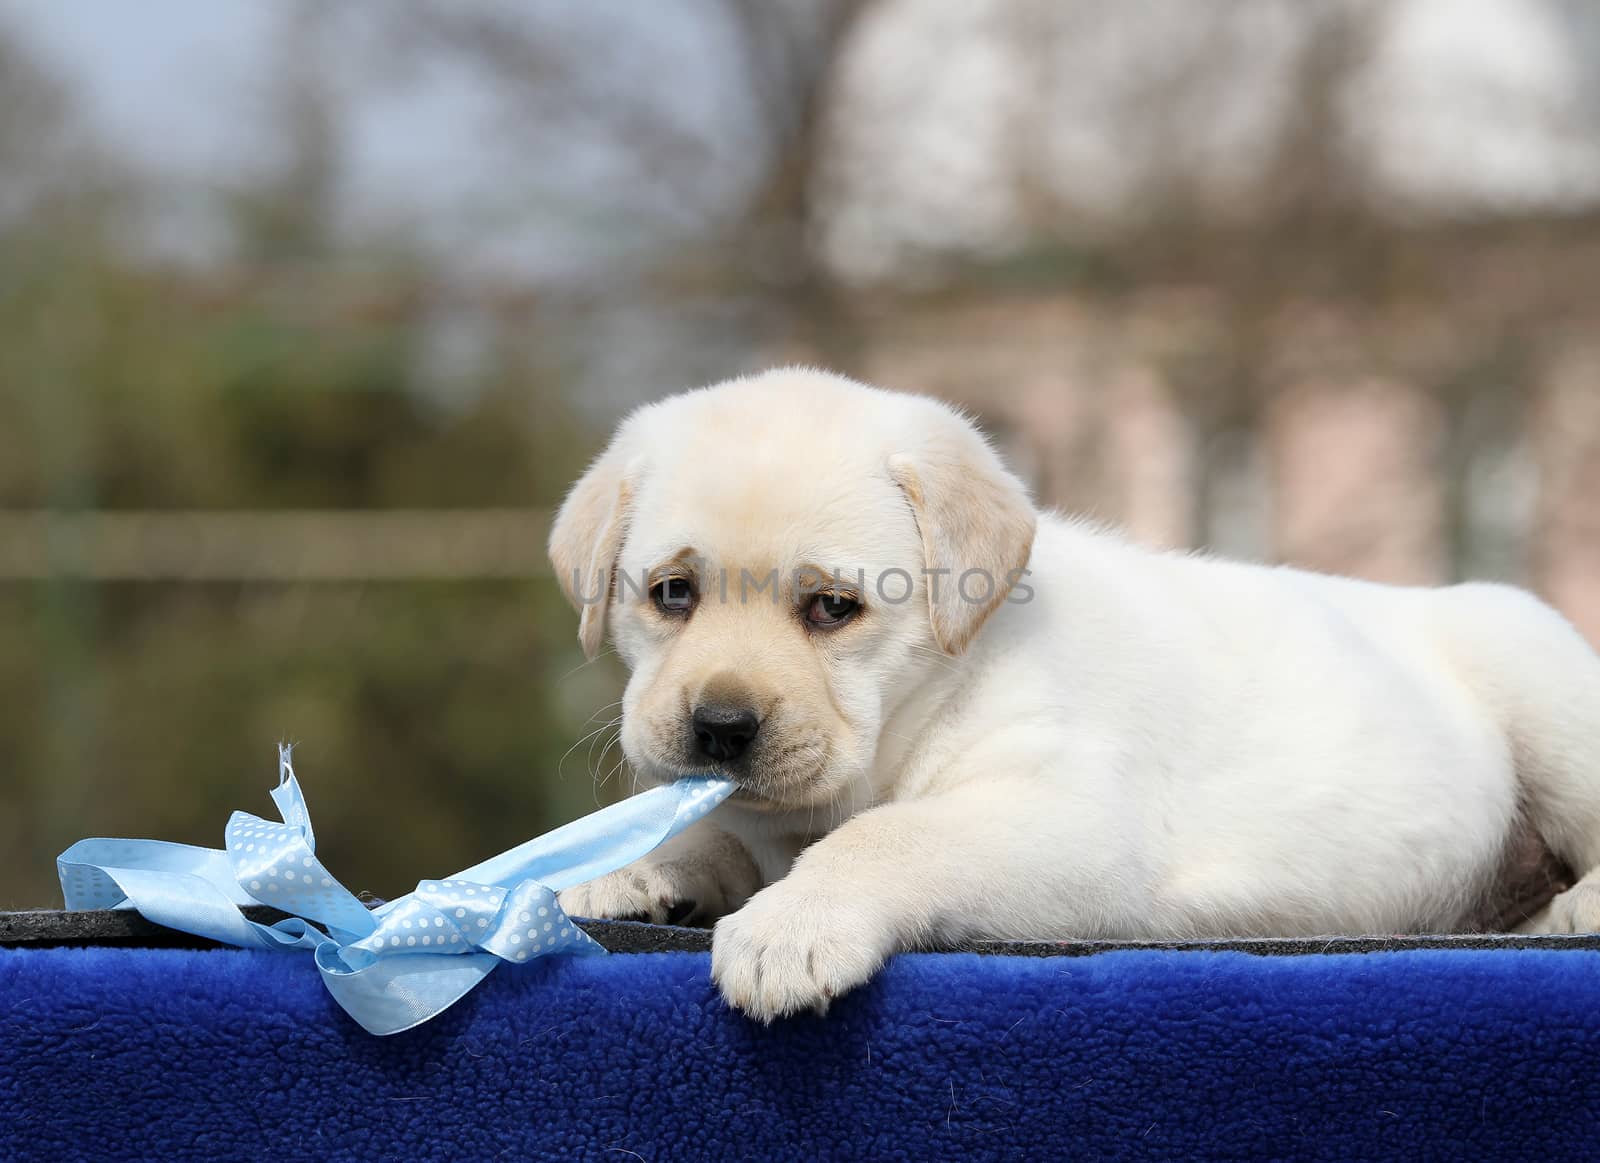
(310, 312)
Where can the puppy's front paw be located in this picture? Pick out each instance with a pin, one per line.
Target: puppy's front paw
(1575, 911)
(690, 887)
(640, 892)
(792, 949)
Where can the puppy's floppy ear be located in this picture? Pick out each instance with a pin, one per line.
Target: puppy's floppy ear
(586, 539)
(977, 527)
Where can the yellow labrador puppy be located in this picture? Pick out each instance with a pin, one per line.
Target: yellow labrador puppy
(954, 717)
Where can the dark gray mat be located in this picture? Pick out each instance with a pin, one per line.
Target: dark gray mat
(124, 927)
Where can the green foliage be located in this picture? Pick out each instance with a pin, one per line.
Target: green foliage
(429, 720)
(432, 718)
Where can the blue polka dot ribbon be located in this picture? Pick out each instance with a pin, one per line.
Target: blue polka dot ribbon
(396, 966)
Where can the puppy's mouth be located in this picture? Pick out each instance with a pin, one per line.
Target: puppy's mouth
(750, 788)
(781, 791)
(754, 787)
(761, 802)
(751, 797)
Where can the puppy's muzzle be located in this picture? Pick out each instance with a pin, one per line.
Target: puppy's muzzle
(723, 732)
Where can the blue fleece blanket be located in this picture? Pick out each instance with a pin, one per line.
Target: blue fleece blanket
(173, 1054)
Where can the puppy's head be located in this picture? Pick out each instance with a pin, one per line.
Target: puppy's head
(780, 561)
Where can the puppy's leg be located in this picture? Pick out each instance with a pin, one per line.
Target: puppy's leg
(1575, 911)
(699, 875)
(974, 862)
(1540, 682)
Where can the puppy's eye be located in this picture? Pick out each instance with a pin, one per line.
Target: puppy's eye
(673, 595)
(831, 609)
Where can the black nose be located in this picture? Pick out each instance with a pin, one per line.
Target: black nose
(724, 732)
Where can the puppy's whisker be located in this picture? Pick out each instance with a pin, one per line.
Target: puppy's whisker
(561, 763)
(595, 763)
(610, 724)
(598, 711)
(599, 780)
(586, 663)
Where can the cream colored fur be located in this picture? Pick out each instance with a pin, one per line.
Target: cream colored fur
(1125, 744)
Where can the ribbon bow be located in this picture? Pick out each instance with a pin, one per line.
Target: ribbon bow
(396, 966)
